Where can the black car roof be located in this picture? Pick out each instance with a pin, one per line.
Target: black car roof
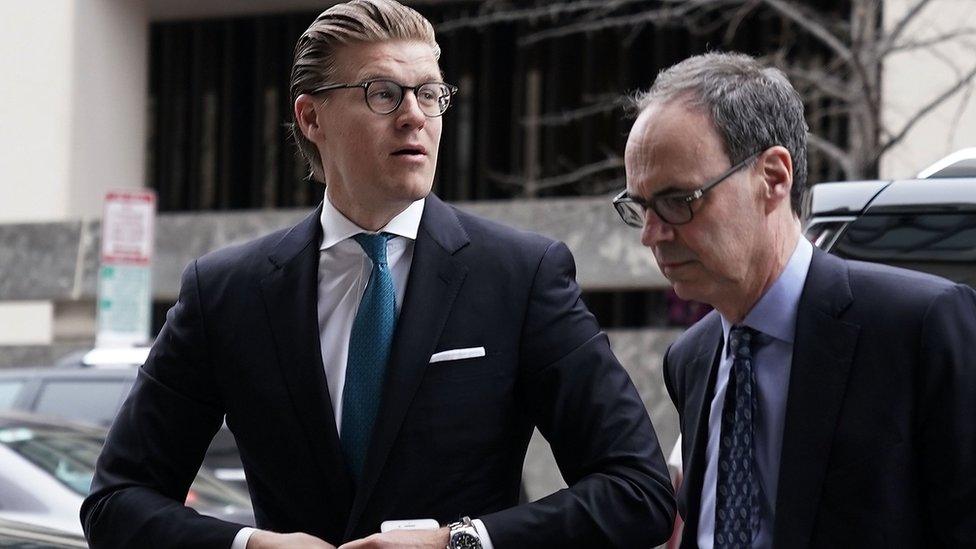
(904, 195)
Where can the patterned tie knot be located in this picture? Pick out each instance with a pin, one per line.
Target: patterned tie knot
(374, 245)
(741, 340)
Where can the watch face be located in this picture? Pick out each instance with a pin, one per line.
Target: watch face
(464, 540)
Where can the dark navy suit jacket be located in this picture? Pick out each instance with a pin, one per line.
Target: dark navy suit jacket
(243, 340)
(879, 444)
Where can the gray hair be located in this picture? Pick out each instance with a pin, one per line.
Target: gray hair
(356, 21)
(752, 107)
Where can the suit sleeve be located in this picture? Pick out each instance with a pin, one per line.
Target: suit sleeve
(585, 404)
(155, 447)
(669, 381)
(948, 411)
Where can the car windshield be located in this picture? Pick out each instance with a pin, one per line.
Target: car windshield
(69, 456)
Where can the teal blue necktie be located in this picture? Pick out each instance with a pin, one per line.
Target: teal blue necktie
(369, 350)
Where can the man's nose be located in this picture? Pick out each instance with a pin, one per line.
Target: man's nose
(655, 230)
(409, 114)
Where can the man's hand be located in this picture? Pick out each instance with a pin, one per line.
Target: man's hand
(262, 539)
(404, 539)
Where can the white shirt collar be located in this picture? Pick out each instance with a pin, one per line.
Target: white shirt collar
(337, 227)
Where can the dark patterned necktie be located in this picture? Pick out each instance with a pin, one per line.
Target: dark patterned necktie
(737, 490)
(369, 350)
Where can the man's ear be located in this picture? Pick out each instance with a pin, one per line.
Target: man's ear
(776, 169)
(307, 117)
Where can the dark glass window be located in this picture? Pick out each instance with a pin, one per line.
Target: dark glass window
(8, 393)
(537, 119)
(90, 401)
(941, 244)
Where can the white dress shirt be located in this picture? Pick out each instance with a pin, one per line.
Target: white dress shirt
(774, 317)
(344, 270)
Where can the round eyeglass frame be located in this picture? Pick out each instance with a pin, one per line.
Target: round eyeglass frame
(452, 89)
(624, 203)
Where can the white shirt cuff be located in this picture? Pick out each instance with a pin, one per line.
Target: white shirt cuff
(240, 540)
(482, 533)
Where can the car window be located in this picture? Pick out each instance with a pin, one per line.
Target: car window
(941, 244)
(90, 401)
(8, 393)
(69, 456)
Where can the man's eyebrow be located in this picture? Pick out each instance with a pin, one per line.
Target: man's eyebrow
(672, 189)
(377, 75)
(678, 188)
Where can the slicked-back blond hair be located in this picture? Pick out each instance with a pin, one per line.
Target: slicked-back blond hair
(356, 21)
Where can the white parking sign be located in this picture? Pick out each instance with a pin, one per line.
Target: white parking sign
(124, 281)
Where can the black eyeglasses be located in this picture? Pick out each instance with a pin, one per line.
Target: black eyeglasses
(673, 209)
(385, 96)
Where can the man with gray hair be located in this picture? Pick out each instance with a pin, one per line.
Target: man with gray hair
(387, 358)
(824, 403)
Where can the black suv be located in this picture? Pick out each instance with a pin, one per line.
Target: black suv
(926, 224)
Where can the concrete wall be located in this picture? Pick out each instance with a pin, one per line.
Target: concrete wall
(109, 102)
(36, 98)
(74, 105)
(73, 99)
(59, 261)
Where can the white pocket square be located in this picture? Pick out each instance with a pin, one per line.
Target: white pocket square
(457, 354)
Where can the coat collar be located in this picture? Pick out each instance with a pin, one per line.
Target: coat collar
(701, 375)
(290, 294)
(823, 353)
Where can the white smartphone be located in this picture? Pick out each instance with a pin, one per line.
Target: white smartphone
(417, 524)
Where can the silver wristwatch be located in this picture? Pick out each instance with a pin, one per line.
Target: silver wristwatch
(463, 535)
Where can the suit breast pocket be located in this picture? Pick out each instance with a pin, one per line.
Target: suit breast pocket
(462, 414)
(463, 369)
(463, 392)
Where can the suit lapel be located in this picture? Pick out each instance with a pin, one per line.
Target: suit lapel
(694, 443)
(823, 351)
(290, 295)
(434, 281)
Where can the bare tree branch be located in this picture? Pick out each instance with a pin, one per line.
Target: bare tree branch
(903, 23)
(575, 176)
(657, 15)
(552, 10)
(967, 95)
(834, 111)
(736, 20)
(820, 80)
(833, 152)
(930, 42)
(808, 22)
(569, 116)
(928, 108)
(842, 89)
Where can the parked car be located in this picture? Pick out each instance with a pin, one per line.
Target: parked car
(24, 536)
(46, 469)
(90, 387)
(926, 224)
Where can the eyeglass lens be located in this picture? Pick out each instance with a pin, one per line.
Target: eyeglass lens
(670, 210)
(384, 96)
